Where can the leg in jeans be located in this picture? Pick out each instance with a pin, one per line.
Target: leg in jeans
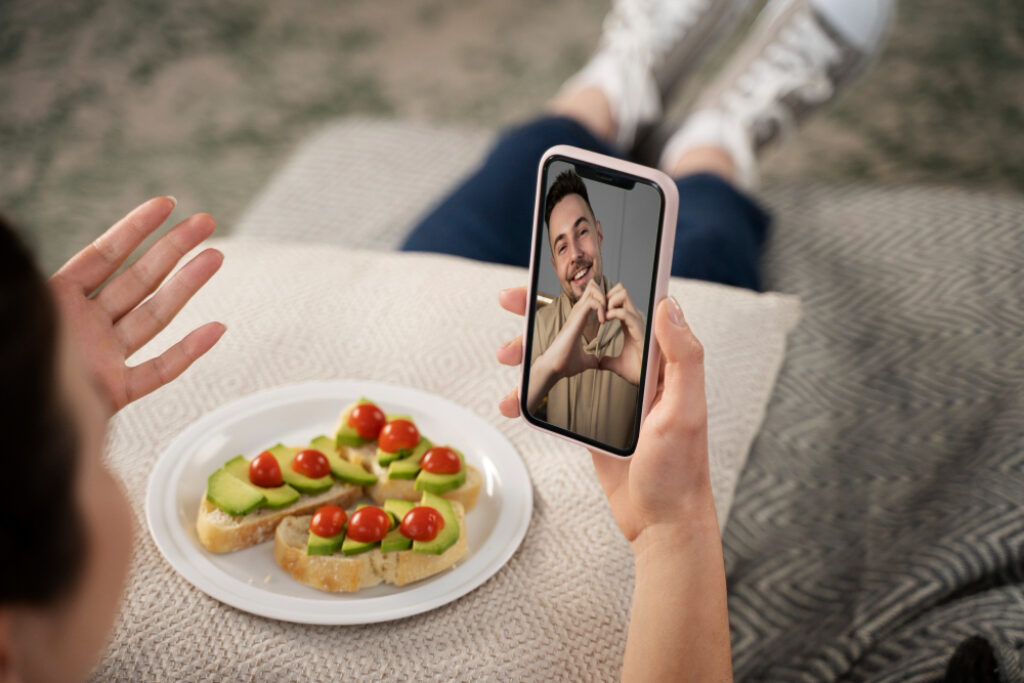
(799, 54)
(719, 232)
(489, 217)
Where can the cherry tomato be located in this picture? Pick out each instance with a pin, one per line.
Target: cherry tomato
(328, 521)
(311, 463)
(367, 419)
(264, 470)
(369, 524)
(441, 460)
(398, 434)
(422, 523)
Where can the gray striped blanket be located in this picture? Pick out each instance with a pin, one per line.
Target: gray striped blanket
(879, 523)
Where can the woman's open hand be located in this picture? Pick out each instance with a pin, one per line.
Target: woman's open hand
(112, 324)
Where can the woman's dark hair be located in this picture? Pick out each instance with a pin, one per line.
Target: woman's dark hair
(41, 532)
(567, 183)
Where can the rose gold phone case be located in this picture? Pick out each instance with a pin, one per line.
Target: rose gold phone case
(662, 268)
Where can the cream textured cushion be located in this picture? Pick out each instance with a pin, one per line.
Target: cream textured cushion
(298, 310)
(363, 183)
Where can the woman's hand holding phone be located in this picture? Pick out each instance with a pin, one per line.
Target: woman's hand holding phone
(661, 500)
(670, 467)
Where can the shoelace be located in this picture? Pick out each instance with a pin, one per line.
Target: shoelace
(647, 30)
(795, 64)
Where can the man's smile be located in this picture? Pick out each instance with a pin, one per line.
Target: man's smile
(581, 273)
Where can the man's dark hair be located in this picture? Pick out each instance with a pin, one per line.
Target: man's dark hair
(41, 528)
(565, 184)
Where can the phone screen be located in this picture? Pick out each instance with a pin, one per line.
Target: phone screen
(589, 325)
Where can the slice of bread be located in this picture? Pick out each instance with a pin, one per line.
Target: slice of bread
(223, 533)
(337, 573)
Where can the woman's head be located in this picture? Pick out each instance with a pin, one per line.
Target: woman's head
(64, 523)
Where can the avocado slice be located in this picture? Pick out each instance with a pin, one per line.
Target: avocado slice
(386, 458)
(409, 466)
(398, 508)
(349, 472)
(318, 545)
(347, 434)
(323, 444)
(350, 546)
(301, 482)
(442, 483)
(277, 496)
(395, 541)
(439, 483)
(342, 469)
(231, 494)
(446, 537)
(239, 466)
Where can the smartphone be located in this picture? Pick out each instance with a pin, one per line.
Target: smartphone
(603, 234)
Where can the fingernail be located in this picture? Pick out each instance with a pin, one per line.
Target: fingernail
(675, 313)
(174, 202)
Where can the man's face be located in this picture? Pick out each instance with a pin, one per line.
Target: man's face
(575, 245)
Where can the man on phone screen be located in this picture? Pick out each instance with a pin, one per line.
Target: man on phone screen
(588, 342)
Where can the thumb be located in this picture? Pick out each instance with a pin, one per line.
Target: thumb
(683, 404)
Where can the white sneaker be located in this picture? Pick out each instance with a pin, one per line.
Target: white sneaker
(799, 56)
(646, 48)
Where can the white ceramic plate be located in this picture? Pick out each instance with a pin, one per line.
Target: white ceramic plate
(251, 580)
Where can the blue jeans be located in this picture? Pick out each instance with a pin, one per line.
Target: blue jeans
(489, 217)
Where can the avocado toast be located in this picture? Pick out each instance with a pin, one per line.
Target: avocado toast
(238, 511)
(348, 566)
(399, 473)
(235, 513)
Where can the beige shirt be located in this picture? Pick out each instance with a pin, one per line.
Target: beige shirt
(598, 404)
